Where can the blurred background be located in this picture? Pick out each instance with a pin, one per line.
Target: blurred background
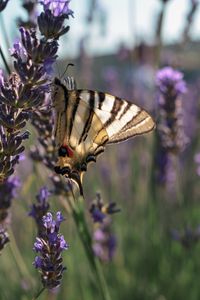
(118, 47)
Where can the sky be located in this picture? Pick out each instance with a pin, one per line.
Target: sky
(127, 21)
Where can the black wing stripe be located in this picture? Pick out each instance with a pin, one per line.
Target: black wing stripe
(130, 122)
(101, 99)
(90, 116)
(125, 110)
(115, 109)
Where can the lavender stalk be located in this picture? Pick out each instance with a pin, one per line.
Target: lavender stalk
(171, 138)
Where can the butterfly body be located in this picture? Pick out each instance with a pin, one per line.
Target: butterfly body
(85, 121)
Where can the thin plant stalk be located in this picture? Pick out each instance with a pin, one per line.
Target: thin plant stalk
(18, 257)
(77, 209)
(159, 27)
(38, 294)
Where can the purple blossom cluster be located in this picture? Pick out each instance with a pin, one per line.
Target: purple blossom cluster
(104, 241)
(25, 89)
(40, 209)
(171, 138)
(51, 21)
(49, 248)
(22, 93)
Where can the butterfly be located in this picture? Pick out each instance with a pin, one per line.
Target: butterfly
(86, 121)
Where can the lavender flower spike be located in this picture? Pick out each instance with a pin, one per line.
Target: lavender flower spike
(104, 240)
(171, 137)
(40, 209)
(170, 82)
(51, 21)
(50, 247)
(58, 7)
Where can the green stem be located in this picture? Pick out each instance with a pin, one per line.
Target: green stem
(77, 208)
(38, 294)
(18, 257)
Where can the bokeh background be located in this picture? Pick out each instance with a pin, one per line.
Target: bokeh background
(117, 47)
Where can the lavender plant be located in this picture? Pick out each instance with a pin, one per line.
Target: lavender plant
(40, 209)
(24, 90)
(171, 138)
(49, 247)
(104, 241)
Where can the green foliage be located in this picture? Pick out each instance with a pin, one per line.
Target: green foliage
(148, 263)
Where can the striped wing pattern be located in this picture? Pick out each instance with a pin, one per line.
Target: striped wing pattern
(88, 120)
(120, 118)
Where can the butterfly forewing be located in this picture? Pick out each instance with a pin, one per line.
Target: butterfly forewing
(121, 119)
(88, 120)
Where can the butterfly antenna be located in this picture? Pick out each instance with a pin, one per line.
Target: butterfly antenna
(69, 65)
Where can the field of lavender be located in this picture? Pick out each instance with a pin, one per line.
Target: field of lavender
(136, 233)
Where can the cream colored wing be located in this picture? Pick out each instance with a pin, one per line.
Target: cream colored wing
(120, 118)
(86, 121)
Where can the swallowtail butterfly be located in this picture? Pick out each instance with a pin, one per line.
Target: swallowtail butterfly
(86, 121)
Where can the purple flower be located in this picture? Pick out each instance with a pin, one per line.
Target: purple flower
(57, 7)
(99, 211)
(170, 81)
(171, 137)
(51, 21)
(34, 57)
(3, 4)
(19, 52)
(49, 247)
(104, 241)
(40, 209)
(25, 89)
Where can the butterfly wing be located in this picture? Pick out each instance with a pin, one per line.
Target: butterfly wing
(88, 120)
(80, 136)
(121, 119)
